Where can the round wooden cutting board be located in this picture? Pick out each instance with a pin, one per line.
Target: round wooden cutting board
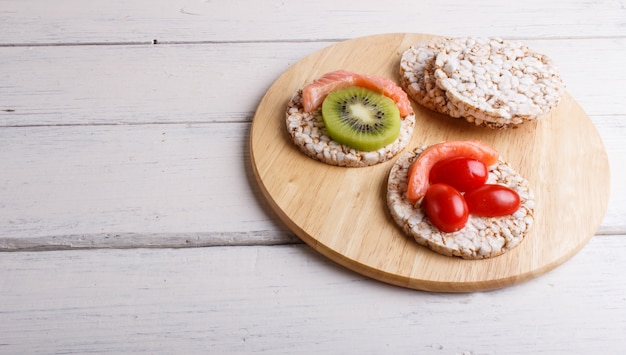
(342, 213)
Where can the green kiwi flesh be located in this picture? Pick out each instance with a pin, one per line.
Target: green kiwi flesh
(361, 118)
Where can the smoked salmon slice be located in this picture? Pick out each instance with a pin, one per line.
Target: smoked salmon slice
(419, 171)
(314, 94)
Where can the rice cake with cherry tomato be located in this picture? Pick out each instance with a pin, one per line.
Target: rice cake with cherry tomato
(481, 237)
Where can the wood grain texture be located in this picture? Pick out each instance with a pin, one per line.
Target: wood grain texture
(85, 98)
(290, 300)
(342, 213)
(142, 21)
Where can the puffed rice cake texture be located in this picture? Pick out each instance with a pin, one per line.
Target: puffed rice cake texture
(310, 136)
(488, 81)
(482, 237)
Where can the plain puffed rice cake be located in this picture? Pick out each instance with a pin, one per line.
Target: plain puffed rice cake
(309, 134)
(488, 81)
(417, 77)
(482, 237)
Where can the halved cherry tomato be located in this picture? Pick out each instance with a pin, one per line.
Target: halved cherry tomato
(492, 200)
(445, 207)
(462, 173)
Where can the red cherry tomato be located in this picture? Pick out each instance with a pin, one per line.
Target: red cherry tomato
(492, 200)
(445, 207)
(464, 174)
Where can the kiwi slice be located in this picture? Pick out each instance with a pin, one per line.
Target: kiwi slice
(361, 118)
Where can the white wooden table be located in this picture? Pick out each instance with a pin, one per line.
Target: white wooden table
(130, 220)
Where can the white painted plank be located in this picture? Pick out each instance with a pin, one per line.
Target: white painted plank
(90, 186)
(140, 84)
(171, 185)
(73, 21)
(288, 299)
(201, 83)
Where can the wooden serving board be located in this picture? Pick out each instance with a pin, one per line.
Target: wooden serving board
(342, 213)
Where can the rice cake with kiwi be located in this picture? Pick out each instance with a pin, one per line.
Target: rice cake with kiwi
(308, 133)
(482, 237)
